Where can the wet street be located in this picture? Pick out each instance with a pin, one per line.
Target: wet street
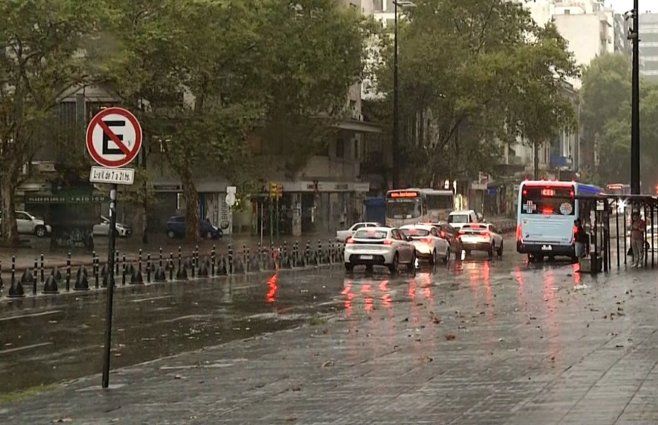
(476, 341)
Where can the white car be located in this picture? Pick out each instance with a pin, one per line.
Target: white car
(457, 219)
(343, 235)
(27, 224)
(382, 246)
(428, 242)
(481, 237)
(103, 228)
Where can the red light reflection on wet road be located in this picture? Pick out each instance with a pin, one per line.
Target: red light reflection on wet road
(273, 288)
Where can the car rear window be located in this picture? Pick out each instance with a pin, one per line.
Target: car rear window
(415, 232)
(370, 234)
(458, 218)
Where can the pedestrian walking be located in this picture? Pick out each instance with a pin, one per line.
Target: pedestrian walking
(580, 238)
(638, 227)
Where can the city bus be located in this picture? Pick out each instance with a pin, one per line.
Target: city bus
(546, 211)
(410, 206)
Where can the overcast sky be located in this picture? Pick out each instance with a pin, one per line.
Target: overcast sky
(624, 5)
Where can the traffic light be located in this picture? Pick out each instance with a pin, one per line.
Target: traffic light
(273, 190)
(279, 191)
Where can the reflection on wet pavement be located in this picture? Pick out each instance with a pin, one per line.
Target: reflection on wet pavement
(60, 338)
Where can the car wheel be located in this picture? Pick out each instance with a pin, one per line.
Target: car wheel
(349, 267)
(393, 267)
(40, 231)
(447, 257)
(171, 234)
(500, 250)
(412, 264)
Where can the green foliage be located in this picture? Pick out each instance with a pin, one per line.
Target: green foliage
(474, 73)
(40, 60)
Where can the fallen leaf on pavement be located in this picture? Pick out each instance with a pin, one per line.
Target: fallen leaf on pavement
(450, 337)
(328, 363)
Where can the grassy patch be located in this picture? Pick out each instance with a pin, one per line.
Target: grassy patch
(317, 320)
(22, 394)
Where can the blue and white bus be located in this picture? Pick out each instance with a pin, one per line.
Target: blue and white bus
(546, 211)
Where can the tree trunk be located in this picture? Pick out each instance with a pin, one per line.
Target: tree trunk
(9, 228)
(191, 207)
(536, 160)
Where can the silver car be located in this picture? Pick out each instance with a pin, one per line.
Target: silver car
(103, 228)
(428, 242)
(379, 246)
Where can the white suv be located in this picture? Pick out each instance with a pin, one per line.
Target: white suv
(457, 219)
(27, 224)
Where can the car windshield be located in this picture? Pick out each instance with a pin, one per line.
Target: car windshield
(403, 208)
(415, 232)
(370, 234)
(458, 218)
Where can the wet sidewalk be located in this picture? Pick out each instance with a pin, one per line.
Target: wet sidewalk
(500, 343)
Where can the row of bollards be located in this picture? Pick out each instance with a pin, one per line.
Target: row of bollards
(165, 269)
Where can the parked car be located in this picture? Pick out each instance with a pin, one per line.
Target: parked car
(457, 219)
(481, 237)
(103, 228)
(427, 241)
(176, 228)
(343, 235)
(27, 224)
(379, 246)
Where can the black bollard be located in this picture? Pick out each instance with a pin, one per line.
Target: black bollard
(123, 270)
(42, 272)
(213, 260)
(139, 261)
(148, 268)
(94, 262)
(51, 285)
(161, 265)
(105, 276)
(81, 280)
(33, 281)
(171, 265)
(68, 272)
(181, 274)
(247, 262)
(229, 267)
(16, 288)
(136, 277)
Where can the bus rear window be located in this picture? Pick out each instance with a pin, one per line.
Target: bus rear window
(547, 200)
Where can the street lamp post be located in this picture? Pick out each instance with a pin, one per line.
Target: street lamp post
(396, 106)
(396, 96)
(635, 102)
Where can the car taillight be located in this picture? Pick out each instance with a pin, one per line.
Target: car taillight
(426, 240)
(519, 233)
(349, 241)
(487, 234)
(388, 242)
(442, 234)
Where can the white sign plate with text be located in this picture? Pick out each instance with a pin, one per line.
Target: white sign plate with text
(112, 175)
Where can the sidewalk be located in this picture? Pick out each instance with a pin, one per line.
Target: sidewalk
(527, 348)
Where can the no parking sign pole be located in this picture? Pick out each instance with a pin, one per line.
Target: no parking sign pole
(114, 138)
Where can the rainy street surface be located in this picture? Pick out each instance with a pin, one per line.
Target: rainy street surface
(473, 342)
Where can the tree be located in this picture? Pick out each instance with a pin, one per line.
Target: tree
(40, 60)
(191, 69)
(316, 52)
(473, 74)
(605, 114)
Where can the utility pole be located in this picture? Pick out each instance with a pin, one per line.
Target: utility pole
(635, 102)
(396, 106)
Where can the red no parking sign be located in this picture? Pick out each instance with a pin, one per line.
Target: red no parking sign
(114, 137)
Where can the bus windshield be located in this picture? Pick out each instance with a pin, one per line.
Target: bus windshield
(547, 200)
(403, 208)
